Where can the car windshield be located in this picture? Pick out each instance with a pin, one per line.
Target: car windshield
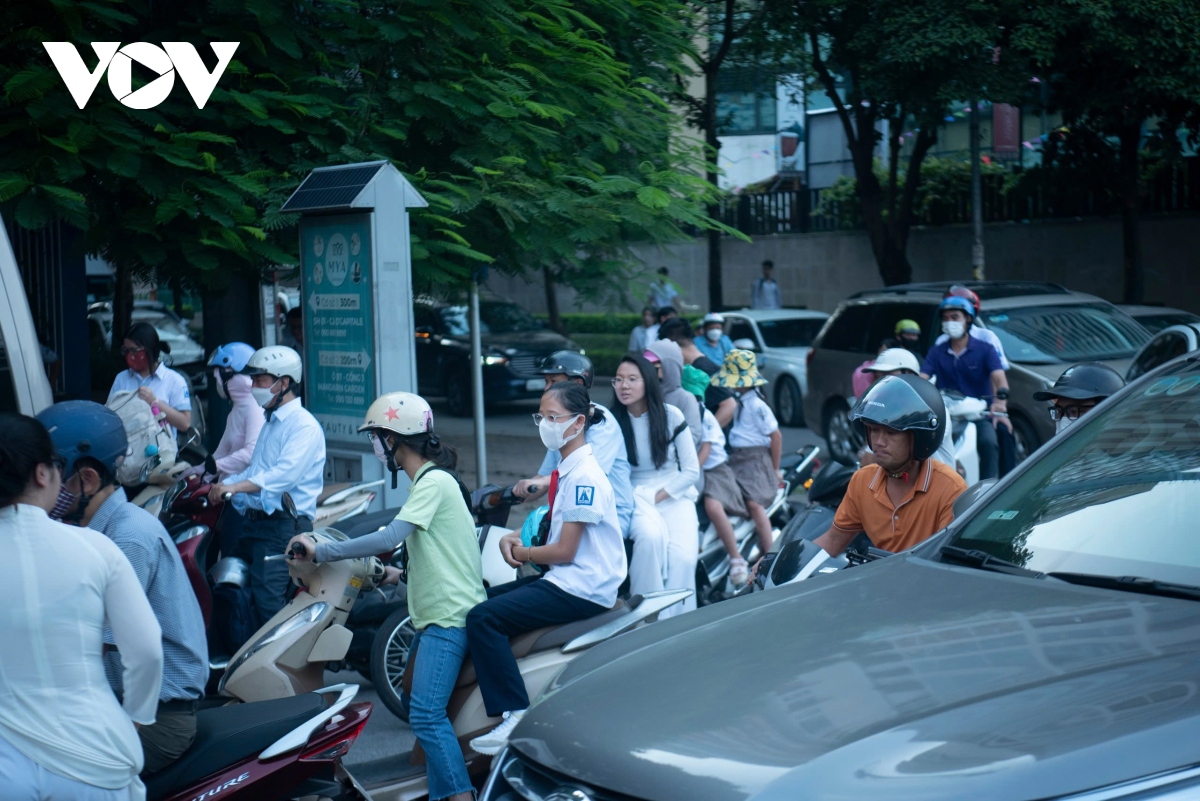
(494, 318)
(795, 333)
(1075, 333)
(1118, 497)
(1157, 322)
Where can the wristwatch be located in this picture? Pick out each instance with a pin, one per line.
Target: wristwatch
(1002, 394)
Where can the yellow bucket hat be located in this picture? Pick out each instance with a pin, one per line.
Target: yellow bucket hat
(740, 371)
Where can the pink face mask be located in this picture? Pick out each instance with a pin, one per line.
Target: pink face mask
(137, 361)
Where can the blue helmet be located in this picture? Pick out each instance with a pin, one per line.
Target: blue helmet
(86, 428)
(232, 356)
(959, 304)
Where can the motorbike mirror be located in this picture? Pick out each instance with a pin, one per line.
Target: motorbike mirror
(971, 495)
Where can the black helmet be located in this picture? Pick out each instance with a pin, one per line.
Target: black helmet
(571, 364)
(904, 403)
(1083, 381)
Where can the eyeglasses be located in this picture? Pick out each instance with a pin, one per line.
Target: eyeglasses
(126, 351)
(1070, 412)
(627, 382)
(553, 418)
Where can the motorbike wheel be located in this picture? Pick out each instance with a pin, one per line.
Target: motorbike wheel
(389, 656)
(789, 402)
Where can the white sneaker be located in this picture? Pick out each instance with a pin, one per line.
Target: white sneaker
(739, 572)
(494, 741)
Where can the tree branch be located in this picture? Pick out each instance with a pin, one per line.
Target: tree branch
(830, 84)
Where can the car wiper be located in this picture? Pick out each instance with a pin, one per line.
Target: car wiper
(985, 561)
(1147, 586)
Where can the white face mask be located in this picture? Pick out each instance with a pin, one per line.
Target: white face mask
(714, 334)
(553, 434)
(377, 446)
(1063, 424)
(953, 328)
(264, 396)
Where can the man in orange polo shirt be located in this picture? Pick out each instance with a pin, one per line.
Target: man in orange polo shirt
(905, 497)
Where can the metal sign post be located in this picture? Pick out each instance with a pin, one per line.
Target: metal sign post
(477, 388)
(356, 297)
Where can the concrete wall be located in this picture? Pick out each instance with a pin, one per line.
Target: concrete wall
(818, 270)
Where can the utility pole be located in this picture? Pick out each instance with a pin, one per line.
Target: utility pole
(976, 195)
(481, 476)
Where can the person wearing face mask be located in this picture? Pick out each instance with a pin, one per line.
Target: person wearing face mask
(712, 340)
(583, 553)
(445, 573)
(716, 400)
(976, 330)
(286, 469)
(244, 421)
(154, 382)
(63, 733)
(973, 368)
(1077, 391)
(90, 439)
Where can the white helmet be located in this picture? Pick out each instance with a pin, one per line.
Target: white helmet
(894, 359)
(713, 317)
(276, 360)
(401, 413)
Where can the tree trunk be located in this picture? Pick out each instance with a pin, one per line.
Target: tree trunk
(977, 264)
(552, 300)
(716, 293)
(1131, 203)
(122, 307)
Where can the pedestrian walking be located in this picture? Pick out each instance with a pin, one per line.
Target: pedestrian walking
(765, 293)
(663, 292)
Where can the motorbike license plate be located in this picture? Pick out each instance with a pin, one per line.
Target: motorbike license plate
(535, 384)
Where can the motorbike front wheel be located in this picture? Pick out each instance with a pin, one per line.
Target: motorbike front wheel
(389, 656)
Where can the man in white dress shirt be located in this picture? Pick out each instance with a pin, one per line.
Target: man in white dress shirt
(288, 463)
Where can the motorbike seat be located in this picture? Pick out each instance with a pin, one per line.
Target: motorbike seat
(331, 489)
(551, 637)
(225, 735)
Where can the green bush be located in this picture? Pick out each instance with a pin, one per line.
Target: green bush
(605, 360)
(591, 342)
(593, 323)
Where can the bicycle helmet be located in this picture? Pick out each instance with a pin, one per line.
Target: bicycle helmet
(86, 428)
(904, 403)
(958, 304)
(1083, 381)
(571, 364)
(958, 291)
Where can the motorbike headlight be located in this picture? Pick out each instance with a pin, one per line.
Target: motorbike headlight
(306, 616)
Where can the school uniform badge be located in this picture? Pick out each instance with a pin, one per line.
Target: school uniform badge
(584, 496)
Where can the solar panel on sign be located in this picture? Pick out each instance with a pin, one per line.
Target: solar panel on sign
(332, 188)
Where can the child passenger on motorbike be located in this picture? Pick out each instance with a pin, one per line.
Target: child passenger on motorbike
(583, 553)
(445, 573)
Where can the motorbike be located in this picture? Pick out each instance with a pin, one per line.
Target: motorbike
(965, 414)
(712, 567)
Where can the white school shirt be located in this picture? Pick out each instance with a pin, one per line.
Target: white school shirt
(716, 438)
(681, 470)
(165, 383)
(242, 427)
(288, 457)
(585, 496)
(56, 706)
(984, 335)
(753, 423)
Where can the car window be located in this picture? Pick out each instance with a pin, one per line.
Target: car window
(163, 323)
(1162, 349)
(888, 314)
(1076, 333)
(506, 318)
(424, 316)
(847, 330)
(1157, 322)
(1118, 496)
(8, 390)
(457, 322)
(740, 329)
(794, 333)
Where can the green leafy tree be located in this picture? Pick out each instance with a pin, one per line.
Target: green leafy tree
(1126, 76)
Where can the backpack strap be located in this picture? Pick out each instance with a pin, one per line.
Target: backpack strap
(466, 494)
(679, 429)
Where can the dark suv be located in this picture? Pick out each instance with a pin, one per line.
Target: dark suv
(1044, 328)
(514, 346)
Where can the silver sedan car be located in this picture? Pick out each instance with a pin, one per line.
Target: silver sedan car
(782, 338)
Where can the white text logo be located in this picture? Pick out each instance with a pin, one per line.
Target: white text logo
(164, 61)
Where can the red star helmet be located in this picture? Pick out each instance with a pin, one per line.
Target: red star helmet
(401, 413)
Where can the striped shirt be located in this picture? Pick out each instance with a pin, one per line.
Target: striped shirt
(164, 579)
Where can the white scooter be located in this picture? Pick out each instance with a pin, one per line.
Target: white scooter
(964, 415)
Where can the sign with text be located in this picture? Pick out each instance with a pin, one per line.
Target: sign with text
(335, 259)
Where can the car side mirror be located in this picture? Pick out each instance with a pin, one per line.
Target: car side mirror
(745, 344)
(972, 494)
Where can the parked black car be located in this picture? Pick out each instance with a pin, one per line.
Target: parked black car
(514, 346)
(1044, 646)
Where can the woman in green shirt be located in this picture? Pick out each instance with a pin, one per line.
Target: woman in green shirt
(445, 573)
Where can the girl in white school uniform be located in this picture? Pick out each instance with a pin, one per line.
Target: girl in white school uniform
(663, 465)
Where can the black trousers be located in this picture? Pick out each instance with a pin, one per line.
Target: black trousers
(269, 581)
(512, 609)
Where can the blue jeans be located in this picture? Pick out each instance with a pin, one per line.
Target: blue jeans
(439, 660)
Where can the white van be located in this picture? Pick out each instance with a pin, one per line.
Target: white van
(24, 387)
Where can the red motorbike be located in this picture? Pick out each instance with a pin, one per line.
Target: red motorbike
(190, 519)
(284, 748)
